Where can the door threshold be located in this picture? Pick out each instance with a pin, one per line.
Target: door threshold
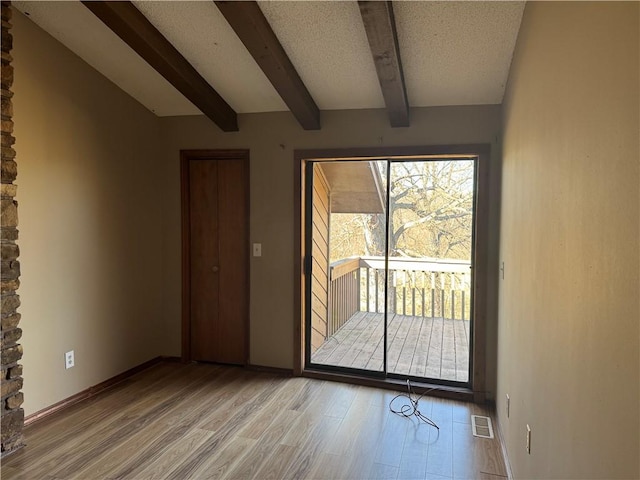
(434, 390)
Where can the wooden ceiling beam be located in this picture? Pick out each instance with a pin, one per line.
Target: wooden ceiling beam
(253, 29)
(133, 28)
(380, 25)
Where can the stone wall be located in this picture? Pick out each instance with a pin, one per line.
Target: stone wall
(10, 351)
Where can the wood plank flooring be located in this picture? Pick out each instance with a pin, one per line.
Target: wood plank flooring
(198, 421)
(418, 346)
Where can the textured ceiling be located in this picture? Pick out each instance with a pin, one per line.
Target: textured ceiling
(81, 31)
(202, 35)
(327, 44)
(456, 53)
(453, 53)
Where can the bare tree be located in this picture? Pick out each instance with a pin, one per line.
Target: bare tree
(431, 208)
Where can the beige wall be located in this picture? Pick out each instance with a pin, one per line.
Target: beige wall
(569, 312)
(90, 221)
(272, 138)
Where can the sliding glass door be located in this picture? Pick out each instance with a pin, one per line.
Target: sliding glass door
(389, 274)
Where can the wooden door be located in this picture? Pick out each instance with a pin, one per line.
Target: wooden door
(215, 187)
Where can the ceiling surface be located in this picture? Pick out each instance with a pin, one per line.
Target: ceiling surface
(452, 53)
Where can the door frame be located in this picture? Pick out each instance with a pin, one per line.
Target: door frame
(480, 247)
(241, 155)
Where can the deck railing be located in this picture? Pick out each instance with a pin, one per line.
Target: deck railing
(344, 292)
(417, 287)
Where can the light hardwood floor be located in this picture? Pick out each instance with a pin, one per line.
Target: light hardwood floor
(204, 421)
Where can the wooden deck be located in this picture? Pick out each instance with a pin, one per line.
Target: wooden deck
(418, 346)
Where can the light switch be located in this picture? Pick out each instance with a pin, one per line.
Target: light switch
(257, 249)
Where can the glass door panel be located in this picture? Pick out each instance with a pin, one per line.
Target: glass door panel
(429, 268)
(346, 247)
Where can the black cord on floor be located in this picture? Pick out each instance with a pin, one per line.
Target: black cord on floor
(411, 408)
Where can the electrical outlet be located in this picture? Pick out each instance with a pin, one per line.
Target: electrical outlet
(69, 360)
(508, 405)
(528, 439)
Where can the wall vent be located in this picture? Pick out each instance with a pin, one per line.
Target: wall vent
(481, 426)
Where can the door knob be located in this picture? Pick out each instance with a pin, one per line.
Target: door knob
(215, 269)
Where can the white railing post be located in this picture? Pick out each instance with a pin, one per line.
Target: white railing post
(453, 295)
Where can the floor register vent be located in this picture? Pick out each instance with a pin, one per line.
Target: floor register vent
(481, 426)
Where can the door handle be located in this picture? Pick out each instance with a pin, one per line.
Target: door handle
(215, 269)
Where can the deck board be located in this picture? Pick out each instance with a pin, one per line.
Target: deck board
(371, 339)
(417, 346)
